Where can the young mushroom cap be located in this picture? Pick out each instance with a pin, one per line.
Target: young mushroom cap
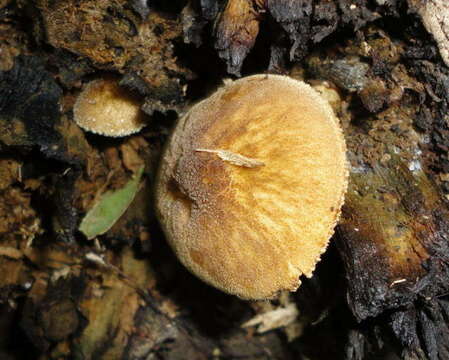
(251, 185)
(105, 108)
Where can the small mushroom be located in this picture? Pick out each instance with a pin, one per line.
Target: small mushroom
(251, 184)
(105, 108)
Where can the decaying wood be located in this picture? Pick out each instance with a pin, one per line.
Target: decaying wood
(435, 17)
(237, 30)
(124, 295)
(394, 243)
(393, 235)
(113, 37)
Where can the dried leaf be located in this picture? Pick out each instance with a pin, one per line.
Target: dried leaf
(235, 159)
(109, 208)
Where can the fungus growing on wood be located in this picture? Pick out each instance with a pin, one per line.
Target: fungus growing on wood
(105, 108)
(251, 184)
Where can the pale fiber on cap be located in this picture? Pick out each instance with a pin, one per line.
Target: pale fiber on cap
(104, 108)
(252, 231)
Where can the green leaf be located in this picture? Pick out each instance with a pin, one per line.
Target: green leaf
(111, 205)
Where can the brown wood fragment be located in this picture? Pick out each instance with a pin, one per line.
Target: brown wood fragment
(236, 32)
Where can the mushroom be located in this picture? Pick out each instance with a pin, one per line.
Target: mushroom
(105, 108)
(251, 184)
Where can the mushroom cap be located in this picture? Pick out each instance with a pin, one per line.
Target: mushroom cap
(252, 229)
(105, 108)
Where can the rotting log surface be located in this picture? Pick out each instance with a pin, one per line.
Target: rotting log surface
(389, 87)
(394, 244)
(395, 224)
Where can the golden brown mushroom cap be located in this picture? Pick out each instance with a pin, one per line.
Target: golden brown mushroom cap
(104, 108)
(251, 185)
